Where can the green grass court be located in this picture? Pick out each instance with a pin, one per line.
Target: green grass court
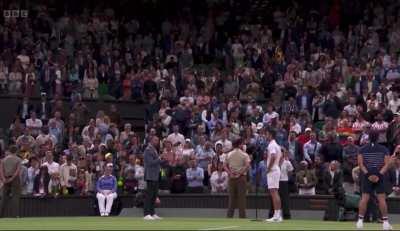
(124, 223)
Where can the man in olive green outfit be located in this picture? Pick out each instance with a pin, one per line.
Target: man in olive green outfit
(236, 165)
(10, 168)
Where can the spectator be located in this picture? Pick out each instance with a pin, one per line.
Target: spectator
(178, 179)
(52, 166)
(34, 124)
(219, 180)
(311, 148)
(139, 175)
(204, 155)
(286, 171)
(169, 153)
(41, 183)
(306, 179)
(33, 171)
(395, 178)
(350, 151)
(90, 86)
(125, 133)
(331, 150)
(68, 176)
(24, 177)
(381, 127)
(106, 188)
(393, 136)
(130, 182)
(294, 148)
(195, 177)
(333, 179)
(262, 173)
(55, 188)
(176, 137)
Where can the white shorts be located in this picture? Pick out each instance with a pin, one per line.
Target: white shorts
(273, 178)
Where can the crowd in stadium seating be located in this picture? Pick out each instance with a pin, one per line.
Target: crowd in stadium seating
(320, 82)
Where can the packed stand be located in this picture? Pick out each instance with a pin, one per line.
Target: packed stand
(322, 84)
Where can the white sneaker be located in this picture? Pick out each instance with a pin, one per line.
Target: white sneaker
(360, 224)
(156, 217)
(148, 218)
(386, 226)
(106, 214)
(274, 219)
(102, 214)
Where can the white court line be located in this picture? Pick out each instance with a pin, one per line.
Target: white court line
(221, 228)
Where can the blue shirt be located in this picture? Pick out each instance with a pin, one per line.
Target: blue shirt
(106, 183)
(374, 157)
(262, 170)
(195, 177)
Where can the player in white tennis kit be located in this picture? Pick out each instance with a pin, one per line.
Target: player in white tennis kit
(274, 175)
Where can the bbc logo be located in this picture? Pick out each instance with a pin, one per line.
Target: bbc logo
(15, 13)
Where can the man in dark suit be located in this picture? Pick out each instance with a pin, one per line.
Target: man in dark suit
(333, 179)
(24, 109)
(152, 166)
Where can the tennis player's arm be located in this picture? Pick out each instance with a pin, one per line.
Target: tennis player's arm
(386, 165)
(360, 161)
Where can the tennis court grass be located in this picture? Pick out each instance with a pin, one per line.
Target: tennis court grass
(124, 223)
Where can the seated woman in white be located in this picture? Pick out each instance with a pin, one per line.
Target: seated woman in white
(219, 180)
(106, 190)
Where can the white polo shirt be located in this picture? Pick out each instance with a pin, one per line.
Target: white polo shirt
(274, 150)
(53, 167)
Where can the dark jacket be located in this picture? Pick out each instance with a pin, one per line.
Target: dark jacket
(152, 164)
(36, 184)
(178, 185)
(332, 107)
(298, 152)
(332, 187)
(332, 151)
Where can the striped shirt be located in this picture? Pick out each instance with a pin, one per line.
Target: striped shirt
(374, 156)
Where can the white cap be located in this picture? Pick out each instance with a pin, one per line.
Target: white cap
(109, 165)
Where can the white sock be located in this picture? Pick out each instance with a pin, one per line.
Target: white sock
(277, 213)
